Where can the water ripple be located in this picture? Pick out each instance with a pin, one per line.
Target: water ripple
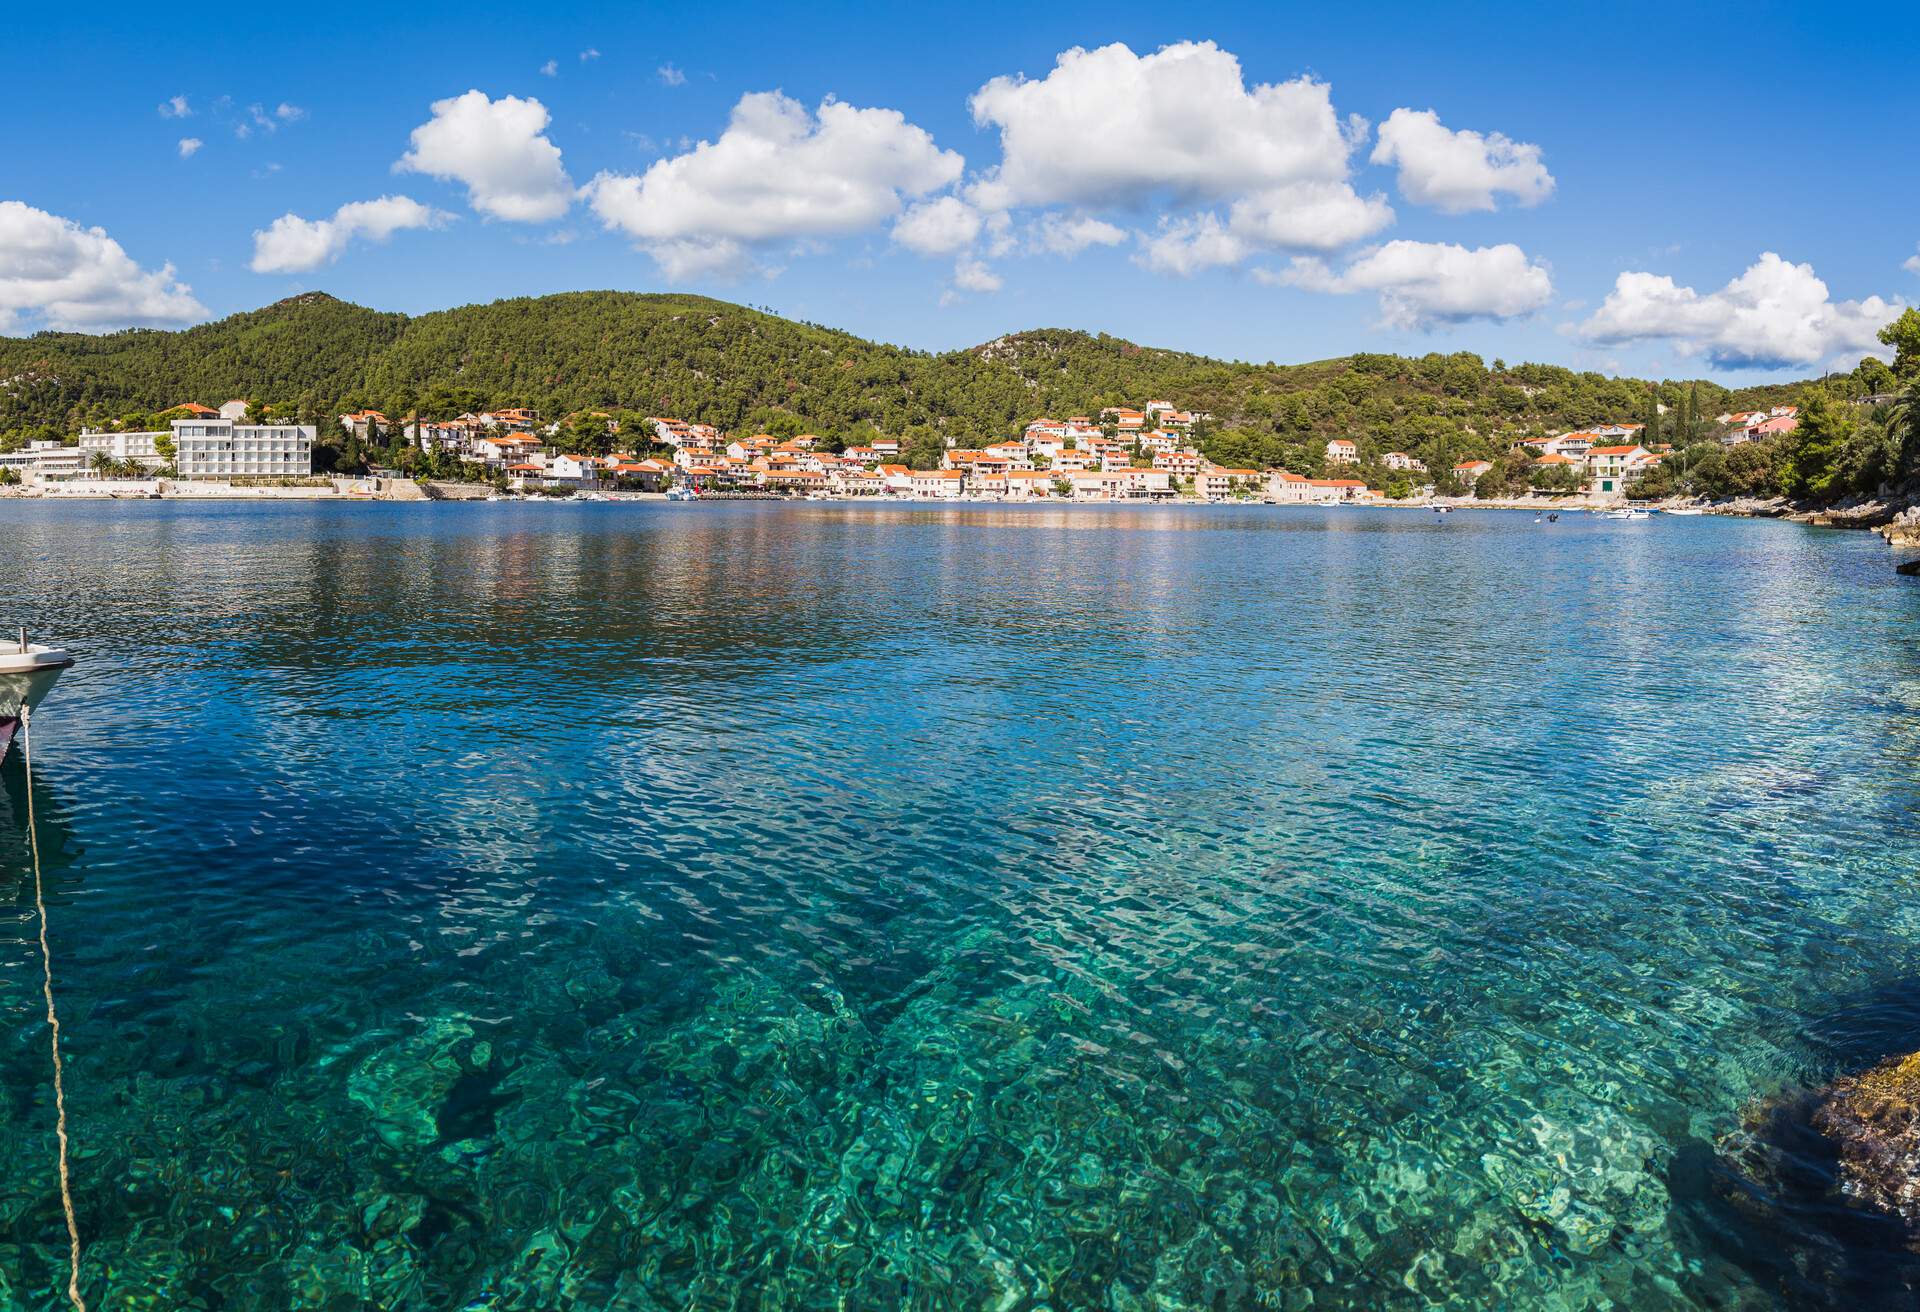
(748, 906)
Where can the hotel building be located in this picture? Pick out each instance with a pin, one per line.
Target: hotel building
(220, 448)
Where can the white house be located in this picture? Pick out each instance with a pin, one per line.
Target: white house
(1289, 489)
(1342, 452)
(1568, 444)
(941, 483)
(573, 471)
(1610, 468)
(1469, 471)
(1337, 489)
(1214, 482)
(1028, 484)
(1180, 464)
(1401, 460)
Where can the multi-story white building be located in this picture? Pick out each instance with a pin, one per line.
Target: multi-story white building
(122, 447)
(43, 461)
(220, 448)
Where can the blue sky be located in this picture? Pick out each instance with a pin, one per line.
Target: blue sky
(1198, 197)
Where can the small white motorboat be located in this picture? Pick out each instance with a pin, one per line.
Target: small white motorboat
(27, 674)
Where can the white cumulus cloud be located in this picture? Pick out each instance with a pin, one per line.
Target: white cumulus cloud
(670, 76)
(67, 276)
(1422, 284)
(176, 107)
(1069, 234)
(188, 145)
(938, 227)
(1311, 216)
(1181, 128)
(292, 244)
(1459, 171)
(499, 150)
(777, 172)
(1188, 245)
(1912, 263)
(550, 69)
(1774, 315)
(973, 276)
(1108, 127)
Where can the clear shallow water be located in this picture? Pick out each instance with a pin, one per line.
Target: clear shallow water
(745, 906)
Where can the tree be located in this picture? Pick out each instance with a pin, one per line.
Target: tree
(588, 433)
(1752, 469)
(1903, 335)
(1874, 378)
(1815, 449)
(922, 448)
(1554, 478)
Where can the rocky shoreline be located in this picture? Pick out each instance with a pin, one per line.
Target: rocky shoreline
(1894, 516)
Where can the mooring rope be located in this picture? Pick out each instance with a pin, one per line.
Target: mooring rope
(53, 1023)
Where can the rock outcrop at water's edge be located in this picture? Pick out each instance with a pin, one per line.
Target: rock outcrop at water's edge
(1894, 516)
(1903, 530)
(1873, 1121)
(1851, 1147)
(1815, 1193)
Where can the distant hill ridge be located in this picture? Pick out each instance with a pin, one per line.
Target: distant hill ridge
(738, 368)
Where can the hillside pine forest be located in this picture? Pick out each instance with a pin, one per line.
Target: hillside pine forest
(588, 357)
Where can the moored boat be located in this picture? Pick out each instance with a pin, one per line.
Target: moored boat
(27, 674)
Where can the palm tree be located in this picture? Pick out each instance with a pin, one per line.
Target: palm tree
(1903, 422)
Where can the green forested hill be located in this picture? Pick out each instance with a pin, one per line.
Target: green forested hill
(737, 368)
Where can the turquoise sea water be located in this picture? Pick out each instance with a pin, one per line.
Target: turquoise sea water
(856, 907)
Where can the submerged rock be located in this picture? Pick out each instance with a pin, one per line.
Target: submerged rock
(1817, 1192)
(1873, 1120)
(403, 1084)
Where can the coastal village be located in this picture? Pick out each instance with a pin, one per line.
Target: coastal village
(1123, 454)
